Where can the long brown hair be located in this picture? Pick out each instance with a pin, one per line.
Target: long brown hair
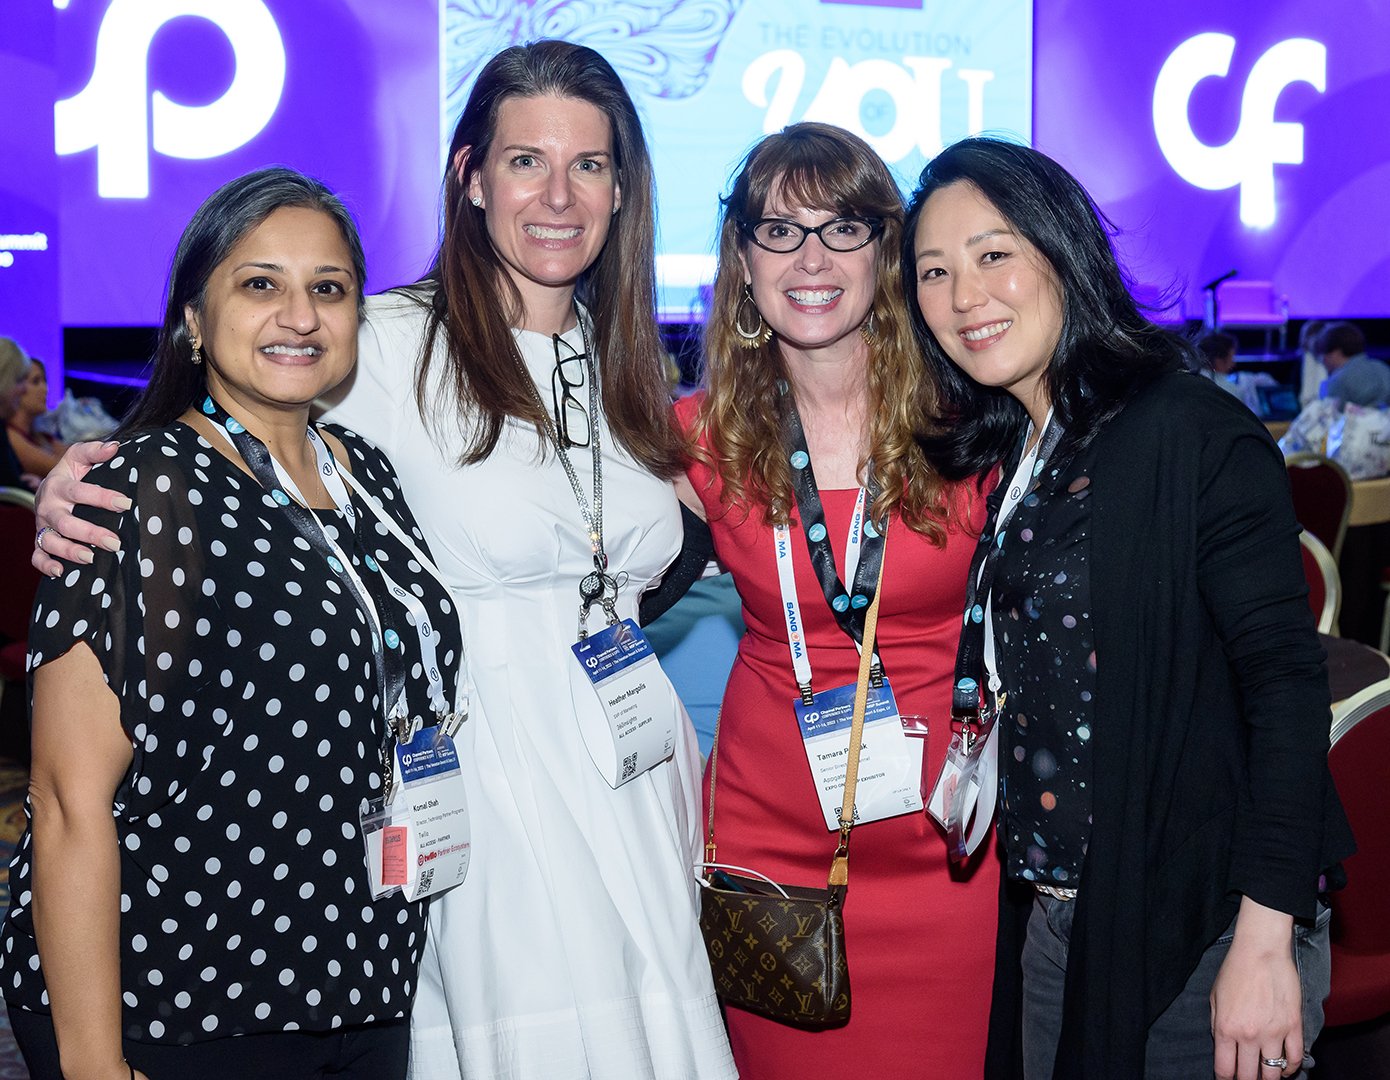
(816, 166)
(470, 295)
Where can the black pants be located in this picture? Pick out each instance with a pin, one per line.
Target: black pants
(370, 1052)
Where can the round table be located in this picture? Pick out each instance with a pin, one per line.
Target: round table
(1370, 501)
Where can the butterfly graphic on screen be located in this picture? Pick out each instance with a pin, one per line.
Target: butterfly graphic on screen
(660, 48)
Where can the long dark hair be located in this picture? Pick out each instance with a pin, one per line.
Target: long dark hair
(471, 296)
(1107, 349)
(228, 214)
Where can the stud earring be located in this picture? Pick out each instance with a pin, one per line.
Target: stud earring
(761, 333)
(477, 200)
(197, 356)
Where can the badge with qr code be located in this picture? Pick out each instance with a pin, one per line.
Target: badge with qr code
(638, 727)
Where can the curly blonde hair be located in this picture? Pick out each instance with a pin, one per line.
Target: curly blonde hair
(738, 428)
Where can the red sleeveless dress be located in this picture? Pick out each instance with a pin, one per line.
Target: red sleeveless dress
(919, 932)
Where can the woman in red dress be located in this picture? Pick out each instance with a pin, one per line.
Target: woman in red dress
(811, 376)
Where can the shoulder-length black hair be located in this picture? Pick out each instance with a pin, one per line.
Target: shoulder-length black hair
(229, 213)
(473, 300)
(1107, 349)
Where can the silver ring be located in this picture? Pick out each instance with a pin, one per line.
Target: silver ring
(38, 540)
(1275, 1063)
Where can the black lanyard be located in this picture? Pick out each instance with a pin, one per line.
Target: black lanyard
(389, 653)
(848, 608)
(968, 687)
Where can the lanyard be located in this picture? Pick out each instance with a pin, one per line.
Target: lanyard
(863, 556)
(373, 594)
(970, 657)
(599, 586)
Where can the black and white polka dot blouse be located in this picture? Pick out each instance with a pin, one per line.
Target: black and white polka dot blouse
(247, 686)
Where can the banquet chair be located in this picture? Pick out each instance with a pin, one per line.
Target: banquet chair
(1360, 761)
(1321, 498)
(21, 580)
(1324, 584)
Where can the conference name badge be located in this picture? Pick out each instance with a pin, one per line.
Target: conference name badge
(419, 843)
(636, 696)
(890, 764)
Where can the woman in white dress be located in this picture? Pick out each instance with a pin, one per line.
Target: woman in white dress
(572, 948)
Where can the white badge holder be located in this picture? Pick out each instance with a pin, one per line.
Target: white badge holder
(890, 764)
(967, 788)
(418, 843)
(889, 780)
(639, 728)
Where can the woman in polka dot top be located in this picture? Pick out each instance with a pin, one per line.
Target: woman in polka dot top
(207, 706)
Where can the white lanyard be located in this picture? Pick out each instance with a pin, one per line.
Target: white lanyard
(333, 484)
(1013, 495)
(786, 578)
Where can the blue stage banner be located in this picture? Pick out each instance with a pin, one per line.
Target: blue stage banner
(710, 77)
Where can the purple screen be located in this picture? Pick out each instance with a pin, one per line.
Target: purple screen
(357, 106)
(29, 203)
(1325, 240)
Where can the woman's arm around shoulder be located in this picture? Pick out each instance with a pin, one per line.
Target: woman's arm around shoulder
(375, 394)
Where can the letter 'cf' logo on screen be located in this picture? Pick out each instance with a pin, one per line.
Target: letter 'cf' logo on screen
(1260, 141)
(110, 112)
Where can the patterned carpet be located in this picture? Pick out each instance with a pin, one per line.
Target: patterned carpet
(14, 779)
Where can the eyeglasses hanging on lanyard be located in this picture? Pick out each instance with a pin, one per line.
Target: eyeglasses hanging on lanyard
(599, 586)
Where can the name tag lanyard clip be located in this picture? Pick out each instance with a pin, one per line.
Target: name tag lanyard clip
(863, 559)
(968, 786)
(387, 648)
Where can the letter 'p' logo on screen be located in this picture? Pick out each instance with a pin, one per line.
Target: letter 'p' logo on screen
(110, 112)
(1260, 141)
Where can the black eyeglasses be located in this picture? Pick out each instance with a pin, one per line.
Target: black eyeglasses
(571, 418)
(842, 234)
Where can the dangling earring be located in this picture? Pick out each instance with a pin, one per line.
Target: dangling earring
(197, 357)
(477, 200)
(868, 330)
(761, 333)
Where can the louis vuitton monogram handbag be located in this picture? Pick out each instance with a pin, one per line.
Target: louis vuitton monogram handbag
(779, 950)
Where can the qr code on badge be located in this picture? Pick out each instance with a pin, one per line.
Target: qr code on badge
(426, 876)
(629, 766)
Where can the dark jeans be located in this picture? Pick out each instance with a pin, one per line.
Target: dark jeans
(370, 1052)
(1180, 1045)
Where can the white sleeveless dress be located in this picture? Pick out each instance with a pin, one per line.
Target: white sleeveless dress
(572, 949)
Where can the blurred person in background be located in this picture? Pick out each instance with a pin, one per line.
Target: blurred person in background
(1311, 371)
(37, 451)
(1218, 352)
(1353, 377)
(13, 362)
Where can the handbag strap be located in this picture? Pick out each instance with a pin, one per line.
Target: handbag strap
(839, 869)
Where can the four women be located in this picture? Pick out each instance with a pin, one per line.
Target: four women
(519, 391)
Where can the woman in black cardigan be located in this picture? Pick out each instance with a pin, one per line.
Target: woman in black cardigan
(1166, 815)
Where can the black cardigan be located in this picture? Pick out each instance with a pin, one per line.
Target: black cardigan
(1211, 724)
